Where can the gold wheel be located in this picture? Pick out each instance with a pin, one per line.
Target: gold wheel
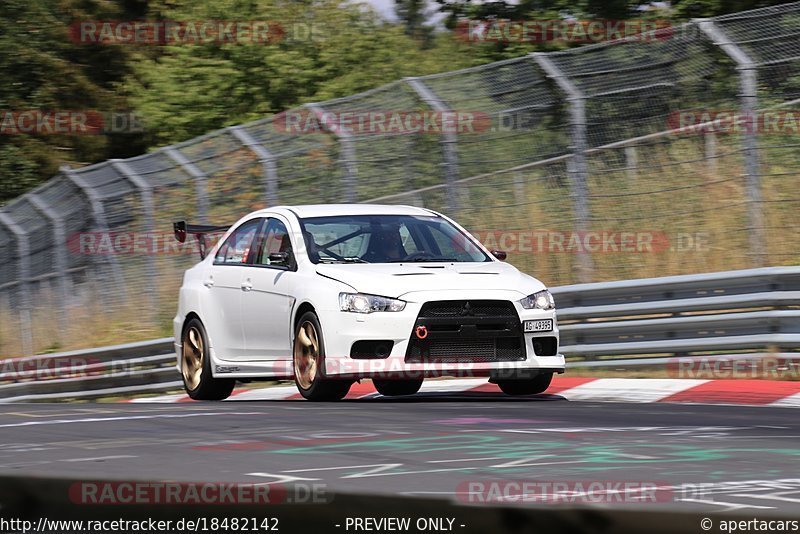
(192, 357)
(306, 355)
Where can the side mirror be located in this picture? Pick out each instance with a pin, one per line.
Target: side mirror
(282, 259)
(500, 254)
(279, 257)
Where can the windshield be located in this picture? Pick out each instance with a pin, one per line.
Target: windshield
(387, 239)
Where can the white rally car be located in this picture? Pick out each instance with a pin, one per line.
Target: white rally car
(331, 294)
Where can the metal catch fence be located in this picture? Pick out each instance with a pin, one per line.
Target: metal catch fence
(666, 155)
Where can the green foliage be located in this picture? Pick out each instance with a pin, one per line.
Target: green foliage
(328, 50)
(43, 70)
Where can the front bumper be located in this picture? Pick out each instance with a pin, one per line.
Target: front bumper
(341, 330)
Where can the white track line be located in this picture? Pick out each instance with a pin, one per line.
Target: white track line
(629, 389)
(792, 401)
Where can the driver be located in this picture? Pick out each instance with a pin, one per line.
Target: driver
(386, 245)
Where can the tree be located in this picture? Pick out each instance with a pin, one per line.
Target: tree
(414, 14)
(45, 71)
(325, 50)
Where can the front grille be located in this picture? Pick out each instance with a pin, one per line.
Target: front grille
(469, 350)
(467, 331)
(476, 308)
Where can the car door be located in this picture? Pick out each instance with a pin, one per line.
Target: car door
(268, 301)
(222, 307)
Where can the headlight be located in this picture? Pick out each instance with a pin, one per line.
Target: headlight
(541, 300)
(361, 303)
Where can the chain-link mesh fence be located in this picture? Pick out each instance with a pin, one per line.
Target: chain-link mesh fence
(585, 164)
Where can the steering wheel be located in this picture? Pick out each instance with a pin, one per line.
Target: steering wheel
(420, 254)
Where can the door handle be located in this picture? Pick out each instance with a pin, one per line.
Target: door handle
(209, 282)
(247, 286)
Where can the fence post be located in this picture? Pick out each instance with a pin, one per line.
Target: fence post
(449, 142)
(408, 163)
(200, 178)
(710, 147)
(631, 162)
(148, 210)
(577, 166)
(59, 253)
(101, 223)
(749, 103)
(266, 159)
(348, 155)
(23, 275)
(519, 184)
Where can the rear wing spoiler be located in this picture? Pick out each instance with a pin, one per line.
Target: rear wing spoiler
(182, 230)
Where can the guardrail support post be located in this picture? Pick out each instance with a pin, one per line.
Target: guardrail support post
(266, 159)
(749, 104)
(577, 166)
(23, 274)
(449, 143)
(200, 178)
(347, 158)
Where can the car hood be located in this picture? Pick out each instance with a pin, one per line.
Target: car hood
(395, 280)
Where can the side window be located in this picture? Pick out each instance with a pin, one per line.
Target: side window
(236, 249)
(275, 242)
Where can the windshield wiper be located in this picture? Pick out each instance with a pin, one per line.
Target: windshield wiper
(343, 260)
(417, 260)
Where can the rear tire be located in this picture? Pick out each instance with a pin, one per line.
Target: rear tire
(196, 366)
(395, 388)
(528, 386)
(309, 363)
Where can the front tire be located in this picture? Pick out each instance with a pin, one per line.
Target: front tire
(309, 363)
(196, 366)
(528, 386)
(394, 388)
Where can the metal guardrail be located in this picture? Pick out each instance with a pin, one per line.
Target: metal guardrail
(132, 368)
(735, 311)
(747, 314)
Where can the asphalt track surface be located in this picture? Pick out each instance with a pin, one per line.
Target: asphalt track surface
(709, 458)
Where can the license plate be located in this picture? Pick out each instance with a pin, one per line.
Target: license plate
(542, 325)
